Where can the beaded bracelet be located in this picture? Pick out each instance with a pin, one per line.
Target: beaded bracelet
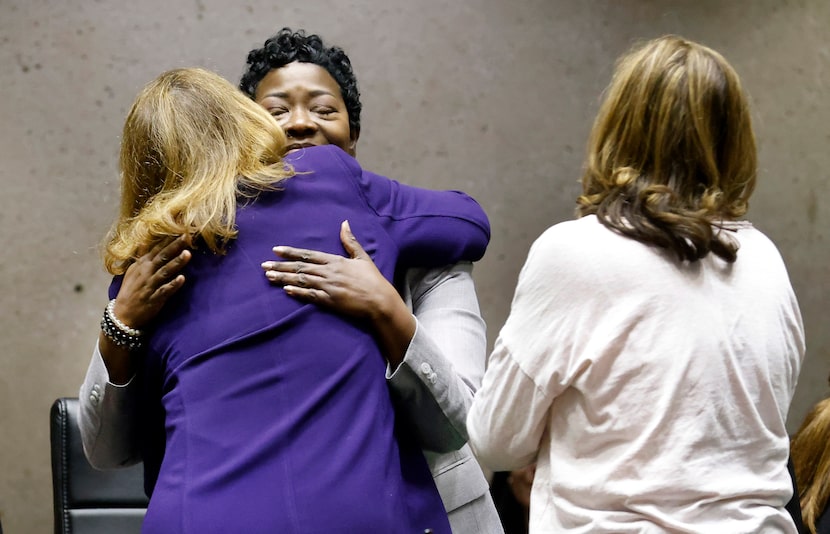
(119, 333)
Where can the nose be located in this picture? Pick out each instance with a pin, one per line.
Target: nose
(299, 124)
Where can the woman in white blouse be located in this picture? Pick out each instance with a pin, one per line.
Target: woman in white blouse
(654, 343)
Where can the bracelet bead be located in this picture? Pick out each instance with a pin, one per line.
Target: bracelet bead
(119, 333)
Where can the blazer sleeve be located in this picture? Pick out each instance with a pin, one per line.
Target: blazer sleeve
(431, 228)
(442, 368)
(108, 418)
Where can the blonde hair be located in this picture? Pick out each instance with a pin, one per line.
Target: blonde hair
(192, 145)
(810, 452)
(672, 153)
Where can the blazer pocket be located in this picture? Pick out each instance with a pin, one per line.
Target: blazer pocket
(459, 478)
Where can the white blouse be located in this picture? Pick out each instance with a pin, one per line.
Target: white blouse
(651, 393)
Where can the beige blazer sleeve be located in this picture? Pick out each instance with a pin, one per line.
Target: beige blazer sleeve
(434, 388)
(442, 368)
(107, 418)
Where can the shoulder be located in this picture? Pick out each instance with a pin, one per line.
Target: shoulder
(330, 161)
(753, 240)
(760, 262)
(572, 255)
(567, 234)
(323, 158)
(572, 242)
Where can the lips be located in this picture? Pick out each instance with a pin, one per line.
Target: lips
(297, 146)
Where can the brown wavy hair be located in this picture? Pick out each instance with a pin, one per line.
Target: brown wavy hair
(810, 452)
(192, 146)
(672, 153)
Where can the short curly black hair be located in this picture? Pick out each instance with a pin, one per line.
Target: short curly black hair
(288, 46)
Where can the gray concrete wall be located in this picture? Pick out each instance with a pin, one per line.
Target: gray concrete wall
(489, 96)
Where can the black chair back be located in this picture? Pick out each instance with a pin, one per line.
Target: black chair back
(88, 500)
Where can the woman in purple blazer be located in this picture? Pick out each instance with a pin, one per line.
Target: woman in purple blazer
(258, 412)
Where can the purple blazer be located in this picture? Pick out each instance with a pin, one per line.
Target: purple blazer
(265, 414)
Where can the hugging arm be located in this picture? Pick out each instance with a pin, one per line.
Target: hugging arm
(444, 363)
(108, 398)
(352, 286)
(436, 352)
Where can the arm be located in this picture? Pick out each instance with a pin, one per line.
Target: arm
(448, 325)
(444, 362)
(352, 286)
(107, 415)
(509, 414)
(531, 363)
(108, 396)
(430, 228)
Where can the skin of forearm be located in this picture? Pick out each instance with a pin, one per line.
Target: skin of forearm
(394, 327)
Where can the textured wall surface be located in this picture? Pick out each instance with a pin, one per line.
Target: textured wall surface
(488, 96)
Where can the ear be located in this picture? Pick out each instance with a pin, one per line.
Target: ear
(354, 134)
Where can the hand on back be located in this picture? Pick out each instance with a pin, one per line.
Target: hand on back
(349, 285)
(151, 280)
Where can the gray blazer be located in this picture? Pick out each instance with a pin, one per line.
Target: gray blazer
(433, 389)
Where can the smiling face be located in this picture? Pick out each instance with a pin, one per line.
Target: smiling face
(307, 103)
